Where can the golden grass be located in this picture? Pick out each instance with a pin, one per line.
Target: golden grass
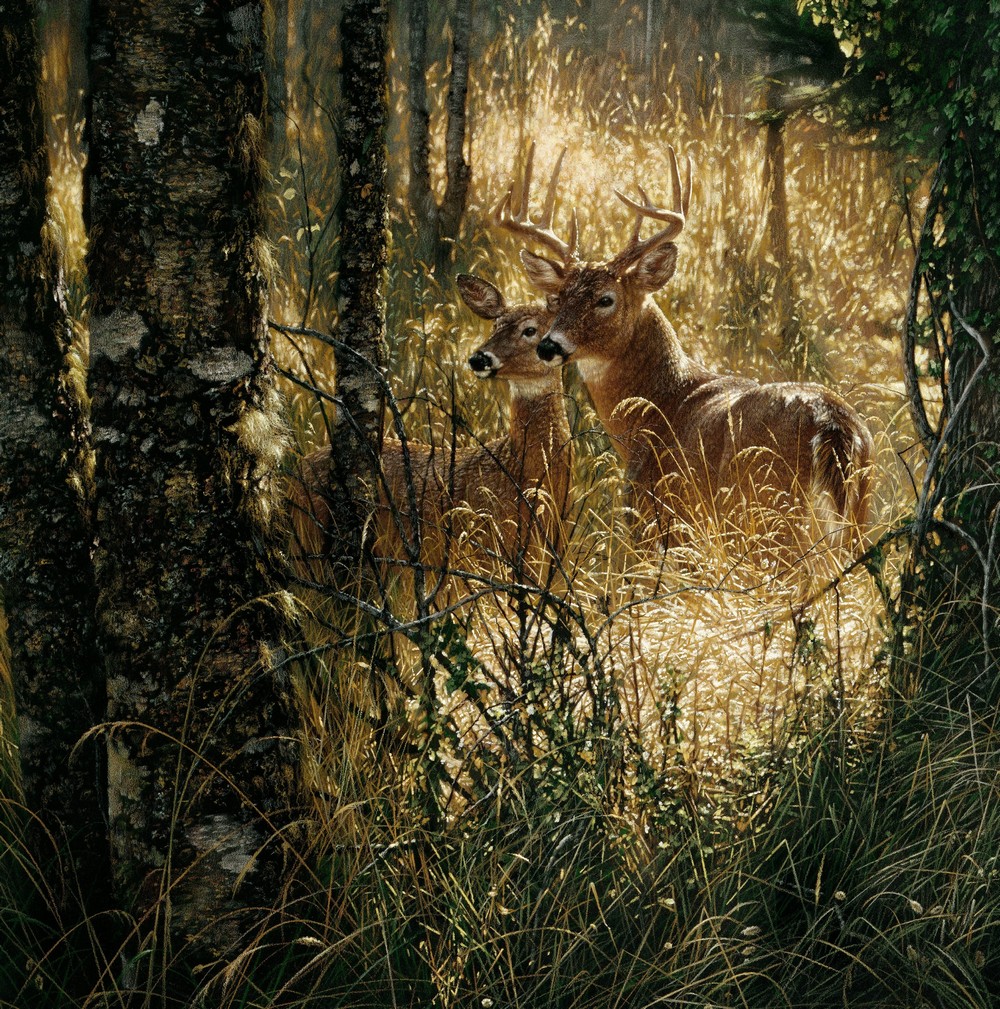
(719, 634)
(713, 632)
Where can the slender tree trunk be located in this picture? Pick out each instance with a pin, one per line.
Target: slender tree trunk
(203, 756)
(277, 77)
(774, 187)
(790, 335)
(950, 589)
(422, 202)
(357, 434)
(971, 474)
(438, 225)
(45, 570)
(458, 169)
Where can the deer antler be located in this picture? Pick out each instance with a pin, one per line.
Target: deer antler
(513, 214)
(675, 218)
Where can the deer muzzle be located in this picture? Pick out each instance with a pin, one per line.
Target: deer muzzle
(554, 349)
(484, 364)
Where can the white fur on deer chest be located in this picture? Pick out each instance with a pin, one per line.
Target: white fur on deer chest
(592, 369)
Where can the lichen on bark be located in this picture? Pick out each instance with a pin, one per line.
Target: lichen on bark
(192, 615)
(357, 432)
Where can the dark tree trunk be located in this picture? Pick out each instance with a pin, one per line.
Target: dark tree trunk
(950, 590)
(422, 202)
(438, 225)
(277, 78)
(458, 169)
(774, 187)
(47, 582)
(794, 349)
(203, 755)
(357, 432)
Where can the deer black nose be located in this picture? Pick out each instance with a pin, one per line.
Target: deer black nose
(548, 349)
(482, 363)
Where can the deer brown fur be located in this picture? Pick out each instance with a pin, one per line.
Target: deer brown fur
(694, 440)
(520, 481)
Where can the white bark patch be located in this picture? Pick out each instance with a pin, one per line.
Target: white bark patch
(245, 26)
(367, 391)
(234, 844)
(124, 784)
(221, 365)
(28, 731)
(20, 423)
(108, 436)
(114, 335)
(10, 188)
(149, 123)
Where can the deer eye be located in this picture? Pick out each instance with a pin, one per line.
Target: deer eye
(529, 331)
(606, 301)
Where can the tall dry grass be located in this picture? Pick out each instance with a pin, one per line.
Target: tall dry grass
(553, 784)
(727, 627)
(590, 781)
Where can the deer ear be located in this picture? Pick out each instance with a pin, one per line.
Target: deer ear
(545, 274)
(481, 296)
(655, 268)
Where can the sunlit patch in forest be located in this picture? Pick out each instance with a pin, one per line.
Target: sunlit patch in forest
(567, 748)
(706, 650)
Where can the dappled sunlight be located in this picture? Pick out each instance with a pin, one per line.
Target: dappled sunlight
(718, 646)
(658, 738)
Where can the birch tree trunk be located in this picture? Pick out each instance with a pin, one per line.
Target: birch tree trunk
(277, 78)
(45, 571)
(423, 205)
(357, 432)
(203, 759)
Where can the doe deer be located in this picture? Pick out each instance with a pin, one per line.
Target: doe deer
(520, 481)
(692, 440)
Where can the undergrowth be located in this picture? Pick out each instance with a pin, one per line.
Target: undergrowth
(625, 778)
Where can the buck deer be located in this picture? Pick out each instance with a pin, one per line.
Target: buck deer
(692, 440)
(521, 481)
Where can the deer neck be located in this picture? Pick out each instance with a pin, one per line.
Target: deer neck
(539, 429)
(654, 371)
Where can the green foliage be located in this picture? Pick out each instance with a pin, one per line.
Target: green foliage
(927, 77)
(797, 46)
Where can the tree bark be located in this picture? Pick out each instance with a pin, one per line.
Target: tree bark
(774, 187)
(45, 570)
(357, 431)
(950, 589)
(459, 171)
(203, 755)
(422, 202)
(277, 78)
(438, 225)
(792, 345)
